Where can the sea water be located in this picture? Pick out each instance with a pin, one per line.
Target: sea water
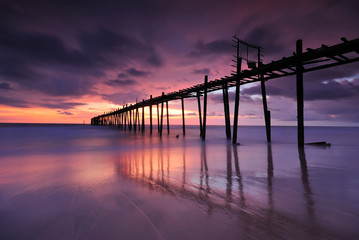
(95, 182)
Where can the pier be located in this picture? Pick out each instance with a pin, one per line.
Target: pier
(299, 63)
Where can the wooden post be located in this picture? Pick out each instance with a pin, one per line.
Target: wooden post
(226, 111)
(300, 99)
(163, 96)
(135, 118)
(236, 104)
(130, 113)
(183, 120)
(158, 119)
(143, 116)
(151, 115)
(199, 113)
(125, 118)
(264, 99)
(138, 119)
(168, 119)
(204, 108)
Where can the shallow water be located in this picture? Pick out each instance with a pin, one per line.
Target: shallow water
(87, 182)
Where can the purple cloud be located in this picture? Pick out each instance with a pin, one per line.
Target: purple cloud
(5, 86)
(120, 82)
(201, 71)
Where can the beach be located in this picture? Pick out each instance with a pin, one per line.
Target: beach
(61, 181)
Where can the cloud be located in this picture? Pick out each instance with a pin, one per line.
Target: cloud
(217, 47)
(313, 90)
(121, 98)
(217, 98)
(109, 48)
(267, 37)
(43, 62)
(214, 114)
(61, 105)
(136, 73)
(201, 71)
(13, 102)
(119, 82)
(65, 113)
(5, 86)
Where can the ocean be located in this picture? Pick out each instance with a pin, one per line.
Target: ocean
(95, 182)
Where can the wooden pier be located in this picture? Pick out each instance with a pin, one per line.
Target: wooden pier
(299, 63)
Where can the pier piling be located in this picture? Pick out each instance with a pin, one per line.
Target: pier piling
(183, 120)
(151, 116)
(199, 112)
(226, 110)
(300, 99)
(204, 108)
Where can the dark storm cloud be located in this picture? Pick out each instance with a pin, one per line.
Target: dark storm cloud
(331, 99)
(5, 86)
(344, 109)
(326, 90)
(217, 98)
(13, 102)
(120, 82)
(267, 37)
(270, 90)
(27, 58)
(109, 48)
(201, 71)
(136, 73)
(217, 47)
(38, 47)
(124, 97)
(65, 113)
(61, 105)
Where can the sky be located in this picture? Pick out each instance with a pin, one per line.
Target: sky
(68, 61)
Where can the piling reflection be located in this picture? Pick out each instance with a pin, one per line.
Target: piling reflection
(308, 194)
(219, 183)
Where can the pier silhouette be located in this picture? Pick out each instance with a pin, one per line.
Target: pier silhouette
(300, 62)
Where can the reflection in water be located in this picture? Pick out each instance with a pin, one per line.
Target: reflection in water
(217, 190)
(307, 192)
(239, 177)
(270, 169)
(229, 175)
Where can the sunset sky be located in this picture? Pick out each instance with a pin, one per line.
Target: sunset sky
(70, 60)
